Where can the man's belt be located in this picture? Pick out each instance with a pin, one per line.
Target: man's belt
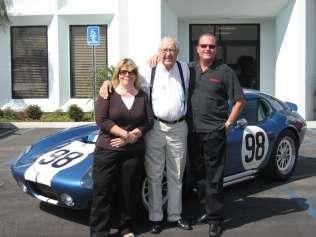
(170, 122)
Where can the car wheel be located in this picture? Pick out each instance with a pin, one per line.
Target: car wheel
(145, 192)
(284, 157)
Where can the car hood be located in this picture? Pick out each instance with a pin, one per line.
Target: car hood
(65, 155)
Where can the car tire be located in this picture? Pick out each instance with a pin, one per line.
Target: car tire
(284, 156)
(145, 192)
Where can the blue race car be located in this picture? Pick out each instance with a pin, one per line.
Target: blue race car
(266, 138)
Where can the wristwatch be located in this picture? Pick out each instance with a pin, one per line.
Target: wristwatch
(228, 124)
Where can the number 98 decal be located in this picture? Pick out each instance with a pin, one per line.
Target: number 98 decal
(50, 164)
(255, 145)
(64, 157)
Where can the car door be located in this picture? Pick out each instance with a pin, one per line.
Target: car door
(249, 141)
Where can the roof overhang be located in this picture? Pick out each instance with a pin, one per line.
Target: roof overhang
(250, 9)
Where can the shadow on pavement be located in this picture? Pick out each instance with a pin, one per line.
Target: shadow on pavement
(7, 129)
(241, 207)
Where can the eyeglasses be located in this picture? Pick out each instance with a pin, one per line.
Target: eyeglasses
(210, 46)
(164, 51)
(125, 72)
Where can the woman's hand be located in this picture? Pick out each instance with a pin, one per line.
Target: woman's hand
(105, 89)
(118, 142)
(131, 137)
(137, 132)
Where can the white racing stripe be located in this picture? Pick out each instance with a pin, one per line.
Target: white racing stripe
(48, 165)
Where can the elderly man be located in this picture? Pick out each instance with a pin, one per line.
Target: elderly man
(166, 143)
(212, 83)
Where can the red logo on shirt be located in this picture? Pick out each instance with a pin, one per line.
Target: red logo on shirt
(214, 80)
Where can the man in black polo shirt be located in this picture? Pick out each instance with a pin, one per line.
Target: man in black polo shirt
(212, 83)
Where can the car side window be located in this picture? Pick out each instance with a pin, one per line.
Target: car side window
(264, 110)
(250, 112)
(274, 102)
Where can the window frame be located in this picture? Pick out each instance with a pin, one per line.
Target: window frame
(13, 81)
(72, 93)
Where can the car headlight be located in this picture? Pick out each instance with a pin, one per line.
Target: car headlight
(67, 200)
(22, 186)
(86, 181)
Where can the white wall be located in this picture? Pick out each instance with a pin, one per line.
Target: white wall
(290, 81)
(134, 30)
(169, 20)
(311, 58)
(144, 24)
(5, 64)
(58, 16)
(267, 56)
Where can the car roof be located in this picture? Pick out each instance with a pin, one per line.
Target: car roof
(251, 93)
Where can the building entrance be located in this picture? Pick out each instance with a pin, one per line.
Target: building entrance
(238, 46)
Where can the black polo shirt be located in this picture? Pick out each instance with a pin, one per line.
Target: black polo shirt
(210, 91)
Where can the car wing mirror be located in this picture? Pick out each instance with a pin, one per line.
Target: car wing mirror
(292, 106)
(241, 123)
(90, 138)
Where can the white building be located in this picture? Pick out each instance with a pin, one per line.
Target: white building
(44, 58)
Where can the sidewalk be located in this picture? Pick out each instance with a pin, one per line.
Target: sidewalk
(9, 128)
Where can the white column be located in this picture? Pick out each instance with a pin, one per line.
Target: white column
(291, 79)
(144, 26)
(53, 65)
(169, 21)
(5, 66)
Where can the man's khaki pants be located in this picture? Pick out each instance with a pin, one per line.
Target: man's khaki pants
(166, 146)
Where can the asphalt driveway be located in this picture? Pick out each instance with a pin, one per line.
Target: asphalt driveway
(254, 208)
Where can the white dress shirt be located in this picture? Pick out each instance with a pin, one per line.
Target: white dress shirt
(168, 100)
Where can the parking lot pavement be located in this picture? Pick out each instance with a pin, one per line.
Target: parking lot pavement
(253, 208)
(4, 132)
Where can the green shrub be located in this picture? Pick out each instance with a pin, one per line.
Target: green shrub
(55, 117)
(9, 113)
(88, 116)
(34, 112)
(1, 113)
(75, 112)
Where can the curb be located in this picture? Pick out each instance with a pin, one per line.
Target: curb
(17, 125)
(311, 124)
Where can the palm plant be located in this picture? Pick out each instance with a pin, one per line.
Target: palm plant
(4, 18)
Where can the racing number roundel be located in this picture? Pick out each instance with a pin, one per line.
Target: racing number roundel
(50, 164)
(254, 148)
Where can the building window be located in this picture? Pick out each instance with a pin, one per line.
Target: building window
(81, 60)
(29, 62)
(238, 46)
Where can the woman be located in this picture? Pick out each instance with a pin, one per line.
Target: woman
(123, 120)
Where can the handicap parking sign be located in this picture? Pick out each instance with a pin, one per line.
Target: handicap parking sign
(93, 35)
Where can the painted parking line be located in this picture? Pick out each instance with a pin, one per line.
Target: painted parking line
(12, 160)
(300, 201)
(13, 136)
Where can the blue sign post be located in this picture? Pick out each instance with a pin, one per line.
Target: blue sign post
(93, 39)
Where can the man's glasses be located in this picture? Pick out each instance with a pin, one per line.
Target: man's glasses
(125, 72)
(210, 46)
(165, 51)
